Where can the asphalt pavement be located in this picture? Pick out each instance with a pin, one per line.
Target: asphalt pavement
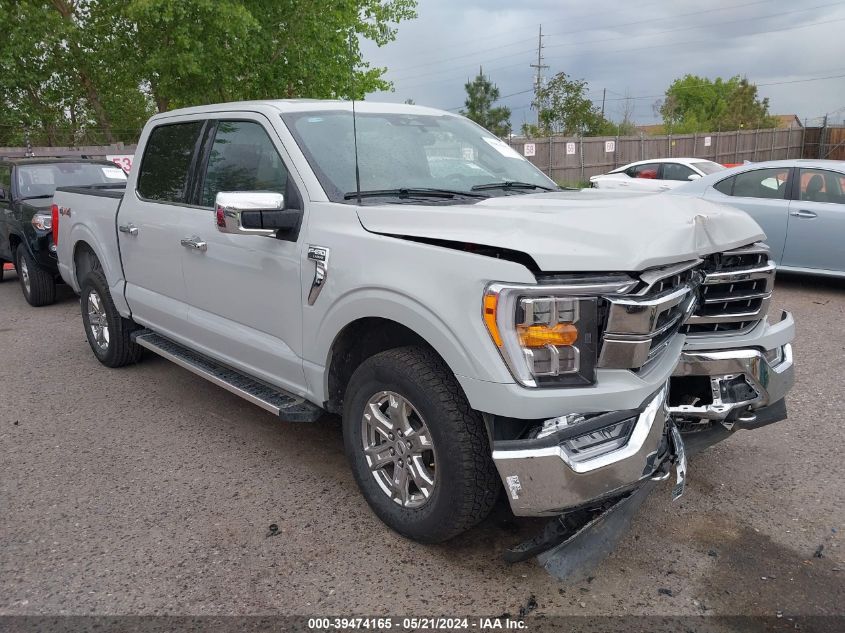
(146, 490)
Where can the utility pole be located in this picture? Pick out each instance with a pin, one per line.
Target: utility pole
(539, 66)
(603, 95)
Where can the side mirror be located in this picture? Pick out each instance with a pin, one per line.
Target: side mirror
(693, 177)
(253, 213)
(4, 194)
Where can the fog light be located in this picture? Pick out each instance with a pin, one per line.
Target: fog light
(774, 356)
(602, 440)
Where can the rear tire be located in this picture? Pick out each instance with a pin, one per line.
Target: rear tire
(108, 333)
(38, 285)
(405, 413)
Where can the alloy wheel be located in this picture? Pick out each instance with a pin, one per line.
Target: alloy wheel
(97, 321)
(399, 450)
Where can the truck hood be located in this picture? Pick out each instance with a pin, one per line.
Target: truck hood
(577, 231)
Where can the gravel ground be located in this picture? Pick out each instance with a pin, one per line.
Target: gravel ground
(147, 490)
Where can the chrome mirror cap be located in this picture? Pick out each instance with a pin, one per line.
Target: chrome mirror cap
(230, 205)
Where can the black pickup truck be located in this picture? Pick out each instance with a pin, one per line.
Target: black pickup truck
(27, 186)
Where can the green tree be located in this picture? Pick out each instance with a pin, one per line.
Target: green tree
(74, 71)
(699, 104)
(481, 95)
(563, 108)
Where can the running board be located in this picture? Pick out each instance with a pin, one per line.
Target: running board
(287, 406)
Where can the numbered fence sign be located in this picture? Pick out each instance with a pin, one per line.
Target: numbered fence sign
(609, 146)
(707, 141)
(570, 148)
(529, 150)
(124, 161)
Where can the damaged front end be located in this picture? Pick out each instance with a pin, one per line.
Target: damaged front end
(592, 471)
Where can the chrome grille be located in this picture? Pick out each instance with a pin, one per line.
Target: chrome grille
(641, 325)
(736, 292)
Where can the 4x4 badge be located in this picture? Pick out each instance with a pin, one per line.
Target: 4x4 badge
(320, 256)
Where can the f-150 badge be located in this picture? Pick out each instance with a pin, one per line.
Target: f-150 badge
(320, 256)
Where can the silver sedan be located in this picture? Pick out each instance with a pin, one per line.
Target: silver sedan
(800, 204)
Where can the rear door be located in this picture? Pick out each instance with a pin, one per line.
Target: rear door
(762, 194)
(244, 291)
(150, 227)
(816, 232)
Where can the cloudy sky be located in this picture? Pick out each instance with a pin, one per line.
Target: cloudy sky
(633, 49)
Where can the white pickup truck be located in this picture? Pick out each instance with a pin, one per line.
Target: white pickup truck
(477, 328)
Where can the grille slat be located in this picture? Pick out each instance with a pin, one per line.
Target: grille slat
(736, 292)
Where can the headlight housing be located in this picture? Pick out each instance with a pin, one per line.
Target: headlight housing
(548, 334)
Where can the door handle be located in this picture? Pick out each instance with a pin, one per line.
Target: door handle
(195, 243)
(129, 229)
(803, 213)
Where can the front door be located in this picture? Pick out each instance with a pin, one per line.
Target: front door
(244, 293)
(150, 222)
(816, 233)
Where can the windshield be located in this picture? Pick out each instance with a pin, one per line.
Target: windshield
(41, 179)
(409, 152)
(708, 167)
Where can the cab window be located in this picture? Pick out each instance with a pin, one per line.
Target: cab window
(242, 158)
(163, 175)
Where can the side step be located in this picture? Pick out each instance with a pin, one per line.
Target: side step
(287, 406)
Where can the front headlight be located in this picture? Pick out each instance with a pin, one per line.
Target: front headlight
(548, 335)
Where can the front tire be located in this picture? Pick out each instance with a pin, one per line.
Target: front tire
(38, 285)
(419, 453)
(108, 333)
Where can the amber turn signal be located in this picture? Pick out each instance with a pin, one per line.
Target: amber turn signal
(491, 301)
(542, 335)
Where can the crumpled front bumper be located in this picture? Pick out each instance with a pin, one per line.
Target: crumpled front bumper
(739, 382)
(543, 477)
(741, 386)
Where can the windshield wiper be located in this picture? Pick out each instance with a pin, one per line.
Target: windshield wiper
(43, 195)
(412, 192)
(512, 184)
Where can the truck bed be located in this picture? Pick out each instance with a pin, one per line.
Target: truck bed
(88, 219)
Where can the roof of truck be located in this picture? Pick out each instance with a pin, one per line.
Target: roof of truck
(306, 105)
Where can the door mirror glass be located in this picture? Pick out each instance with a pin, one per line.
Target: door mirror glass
(253, 213)
(694, 177)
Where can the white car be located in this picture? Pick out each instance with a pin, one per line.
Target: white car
(658, 174)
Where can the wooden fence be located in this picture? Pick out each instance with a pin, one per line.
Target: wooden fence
(575, 159)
